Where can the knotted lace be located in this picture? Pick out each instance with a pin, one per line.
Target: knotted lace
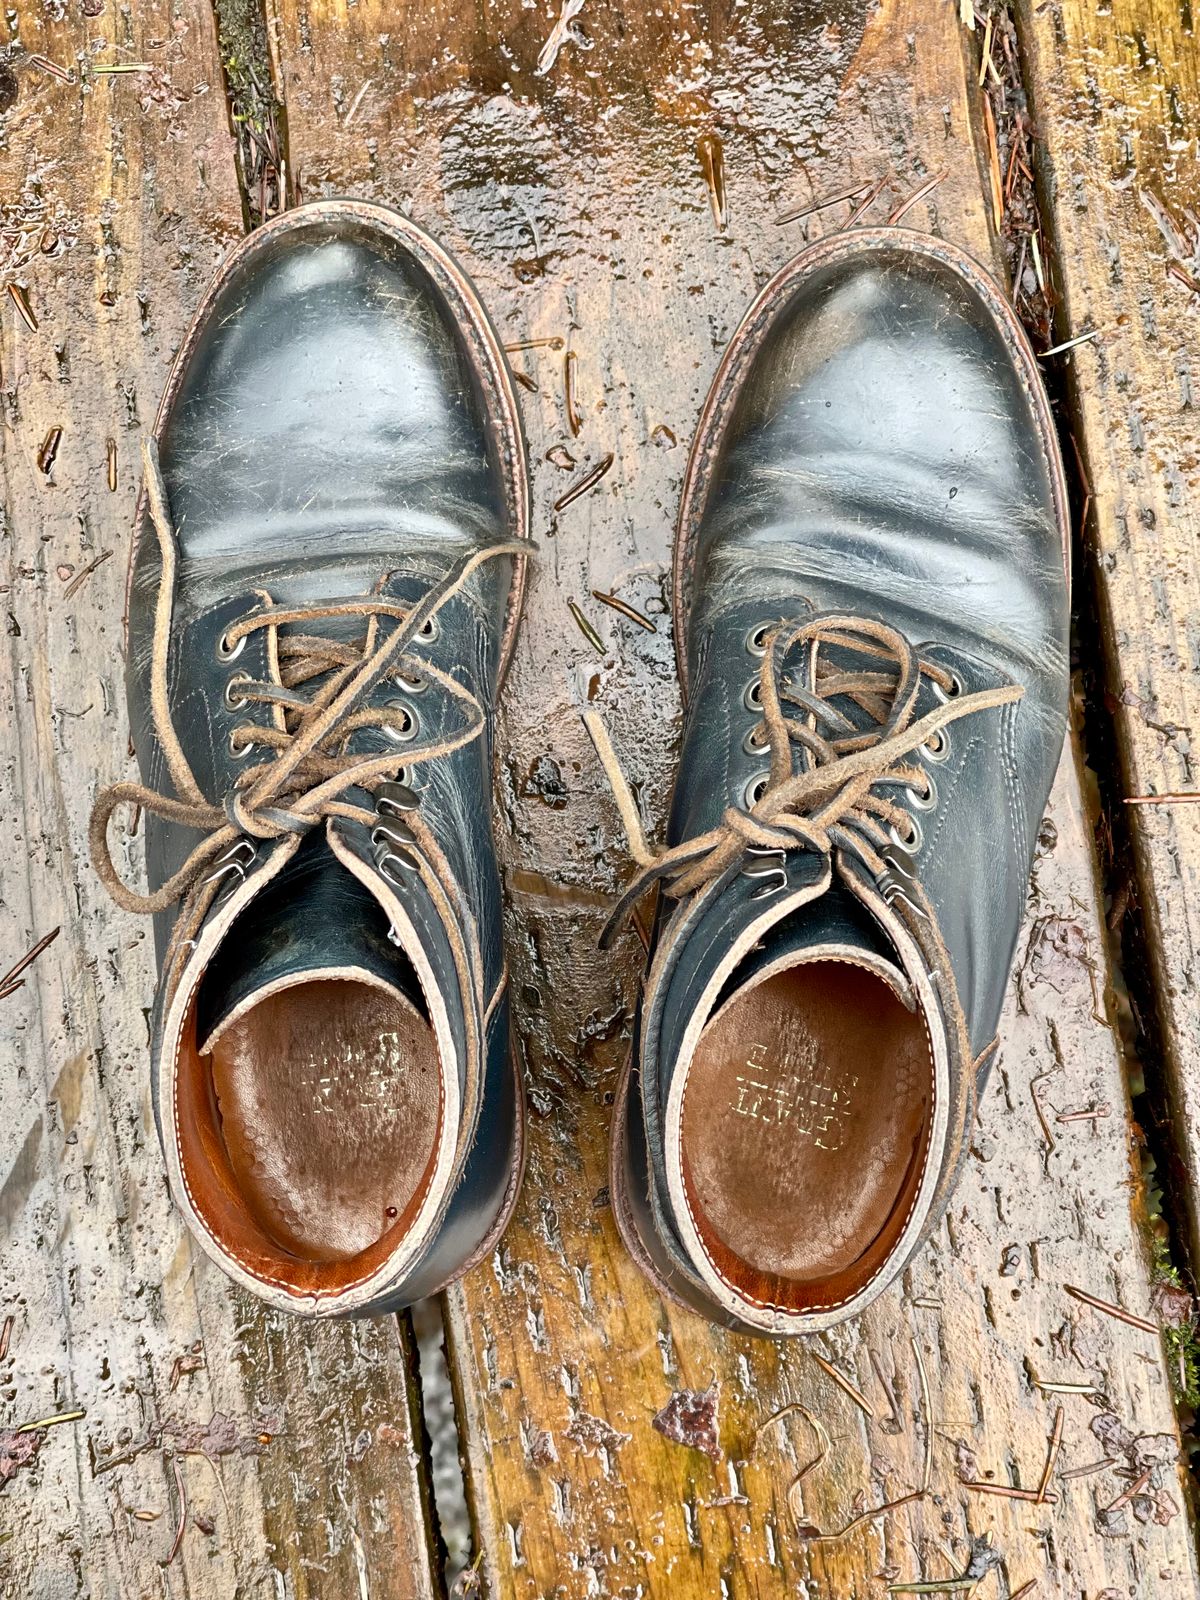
(826, 787)
(308, 768)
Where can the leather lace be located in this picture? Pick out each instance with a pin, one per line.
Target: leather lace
(307, 769)
(835, 796)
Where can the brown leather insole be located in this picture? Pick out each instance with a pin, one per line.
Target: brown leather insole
(805, 1118)
(329, 1101)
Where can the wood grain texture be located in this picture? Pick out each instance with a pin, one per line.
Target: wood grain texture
(577, 196)
(1116, 93)
(293, 1446)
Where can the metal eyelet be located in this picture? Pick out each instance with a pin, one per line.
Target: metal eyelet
(754, 790)
(226, 652)
(953, 692)
(915, 840)
(395, 798)
(926, 801)
(430, 629)
(395, 832)
(768, 869)
(235, 701)
(239, 751)
(937, 746)
(235, 862)
(386, 860)
(408, 732)
(756, 639)
(752, 699)
(417, 684)
(751, 745)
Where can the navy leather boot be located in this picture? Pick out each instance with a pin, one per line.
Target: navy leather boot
(324, 594)
(871, 619)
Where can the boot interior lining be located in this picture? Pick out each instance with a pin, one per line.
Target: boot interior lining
(805, 1126)
(310, 1132)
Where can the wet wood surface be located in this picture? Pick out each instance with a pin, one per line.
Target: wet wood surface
(1116, 92)
(612, 179)
(611, 176)
(223, 1451)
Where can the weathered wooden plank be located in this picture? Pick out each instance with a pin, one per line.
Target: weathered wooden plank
(1116, 92)
(577, 197)
(294, 1448)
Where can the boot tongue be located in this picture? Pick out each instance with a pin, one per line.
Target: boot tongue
(834, 927)
(315, 917)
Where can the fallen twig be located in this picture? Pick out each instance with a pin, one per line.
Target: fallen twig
(79, 577)
(843, 1383)
(1111, 1310)
(12, 980)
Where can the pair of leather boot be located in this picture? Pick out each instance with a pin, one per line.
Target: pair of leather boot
(870, 610)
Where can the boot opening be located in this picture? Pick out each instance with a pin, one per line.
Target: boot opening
(328, 1100)
(310, 1128)
(805, 1126)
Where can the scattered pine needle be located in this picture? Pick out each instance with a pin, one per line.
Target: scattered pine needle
(6, 1336)
(556, 342)
(1051, 1141)
(183, 1507)
(1179, 798)
(86, 573)
(588, 481)
(586, 629)
(1037, 261)
(989, 129)
(867, 1516)
(938, 1586)
(1111, 1310)
(927, 1475)
(812, 206)
(1024, 1590)
(574, 420)
(1096, 1114)
(1070, 344)
(24, 310)
(527, 383)
(1065, 1388)
(1174, 270)
(111, 450)
(48, 450)
(867, 201)
(1090, 1471)
(1051, 1456)
(12, 980)
(986, 62)
(111, 71)
(1007, 1492)
(917, 196)
(53, 68)
(843, 1384)
(1131, 1493)
(624, 609)
(52, 1422)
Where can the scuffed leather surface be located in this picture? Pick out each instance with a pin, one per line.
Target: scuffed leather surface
(883, 458)
(330, 437)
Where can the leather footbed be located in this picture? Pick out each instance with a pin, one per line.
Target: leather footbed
(310, 1132)
(805, 1125)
